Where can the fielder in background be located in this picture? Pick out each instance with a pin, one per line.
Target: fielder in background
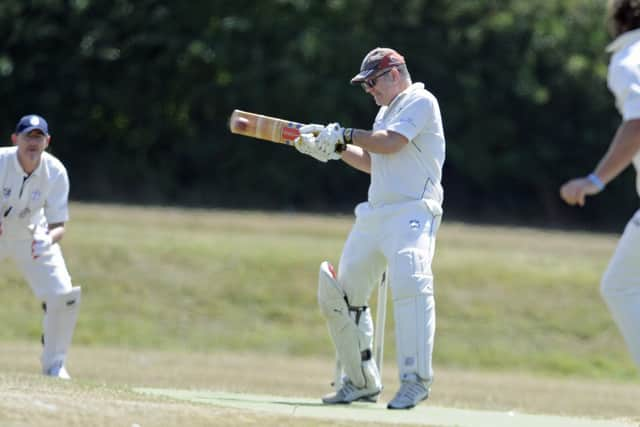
(397, 226)
(620, 284)
(35, 188)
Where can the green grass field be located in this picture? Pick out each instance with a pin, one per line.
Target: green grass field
(510, 301)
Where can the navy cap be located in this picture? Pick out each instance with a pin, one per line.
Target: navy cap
(32, 122)
(378, 59)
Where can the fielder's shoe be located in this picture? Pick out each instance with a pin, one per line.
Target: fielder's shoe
(410, 394)
(57, 370)
(350, 393)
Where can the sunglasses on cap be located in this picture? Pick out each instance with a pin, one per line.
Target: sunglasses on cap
(371, 83)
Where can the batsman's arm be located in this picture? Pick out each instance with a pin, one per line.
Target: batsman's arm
(357, 158)
(379, 142)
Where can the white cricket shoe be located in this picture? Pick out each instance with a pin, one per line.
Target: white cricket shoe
(57, 370)
(350, 393)
(411, 393)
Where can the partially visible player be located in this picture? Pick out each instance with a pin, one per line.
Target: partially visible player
(620, 285)
(404, 154)
(34, 209)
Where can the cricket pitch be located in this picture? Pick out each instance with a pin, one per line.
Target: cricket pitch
(369, 412)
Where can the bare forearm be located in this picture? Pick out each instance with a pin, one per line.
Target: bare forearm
(357, 158)
(624, 147)
(379, 142)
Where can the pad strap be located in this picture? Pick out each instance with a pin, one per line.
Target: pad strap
(357, 310)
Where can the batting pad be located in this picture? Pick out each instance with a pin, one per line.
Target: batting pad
(346, 336)
(59, 323)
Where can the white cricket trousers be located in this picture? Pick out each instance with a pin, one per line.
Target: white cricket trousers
(620, 286)
(401, 236)
(47, 275)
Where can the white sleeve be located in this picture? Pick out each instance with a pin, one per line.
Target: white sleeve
(56, 208)
(624, 82)
(413, 118)
(631, 105)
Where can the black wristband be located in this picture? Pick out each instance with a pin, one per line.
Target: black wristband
(347, 135)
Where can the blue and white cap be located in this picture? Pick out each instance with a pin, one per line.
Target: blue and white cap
(32, 122)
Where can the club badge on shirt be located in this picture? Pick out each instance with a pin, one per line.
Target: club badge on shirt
(35, 195)
(6, 193)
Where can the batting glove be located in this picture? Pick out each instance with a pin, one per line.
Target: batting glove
(40, 244)
(312, 128)
(306, 144)
(331, 140)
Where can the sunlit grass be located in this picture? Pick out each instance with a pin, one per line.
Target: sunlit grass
(507, 298)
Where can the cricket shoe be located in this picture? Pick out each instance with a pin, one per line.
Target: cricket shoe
(350, 393)
(57, 370)
(412, 392)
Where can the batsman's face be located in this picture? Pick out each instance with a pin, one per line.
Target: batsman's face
(31, 145)
(381, 87)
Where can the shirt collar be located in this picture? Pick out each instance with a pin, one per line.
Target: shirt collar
(412, 88)
(623, 40)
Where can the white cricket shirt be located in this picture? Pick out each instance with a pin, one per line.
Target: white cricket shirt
(27, 200)
(414, 172)
(624, 81)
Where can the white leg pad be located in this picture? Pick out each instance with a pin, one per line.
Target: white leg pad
(58, 324)
(349, 341)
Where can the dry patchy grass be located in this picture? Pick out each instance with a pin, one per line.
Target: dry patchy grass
(100, 394)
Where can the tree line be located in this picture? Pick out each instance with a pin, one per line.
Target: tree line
(138, 94)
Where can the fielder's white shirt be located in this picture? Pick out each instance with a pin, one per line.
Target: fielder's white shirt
(34, 200)
(624, 81)
(414, 172)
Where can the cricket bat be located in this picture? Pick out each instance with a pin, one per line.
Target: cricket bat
(264, 127)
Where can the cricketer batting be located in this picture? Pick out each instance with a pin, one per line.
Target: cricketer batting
(395, 228)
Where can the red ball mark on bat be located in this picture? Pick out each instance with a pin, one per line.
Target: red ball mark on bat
(241, 124)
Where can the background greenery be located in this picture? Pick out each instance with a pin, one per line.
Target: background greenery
(138, 94)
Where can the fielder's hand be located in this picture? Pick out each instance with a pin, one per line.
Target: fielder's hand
(574, 191)
(39, 245)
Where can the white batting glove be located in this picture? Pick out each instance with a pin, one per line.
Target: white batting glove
(40, 244)
(330, 139)
(312, 128)
(306, 144)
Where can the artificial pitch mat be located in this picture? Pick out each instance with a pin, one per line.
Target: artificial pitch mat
(423, 414)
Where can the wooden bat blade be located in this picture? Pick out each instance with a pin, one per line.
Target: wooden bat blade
(264, 127)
